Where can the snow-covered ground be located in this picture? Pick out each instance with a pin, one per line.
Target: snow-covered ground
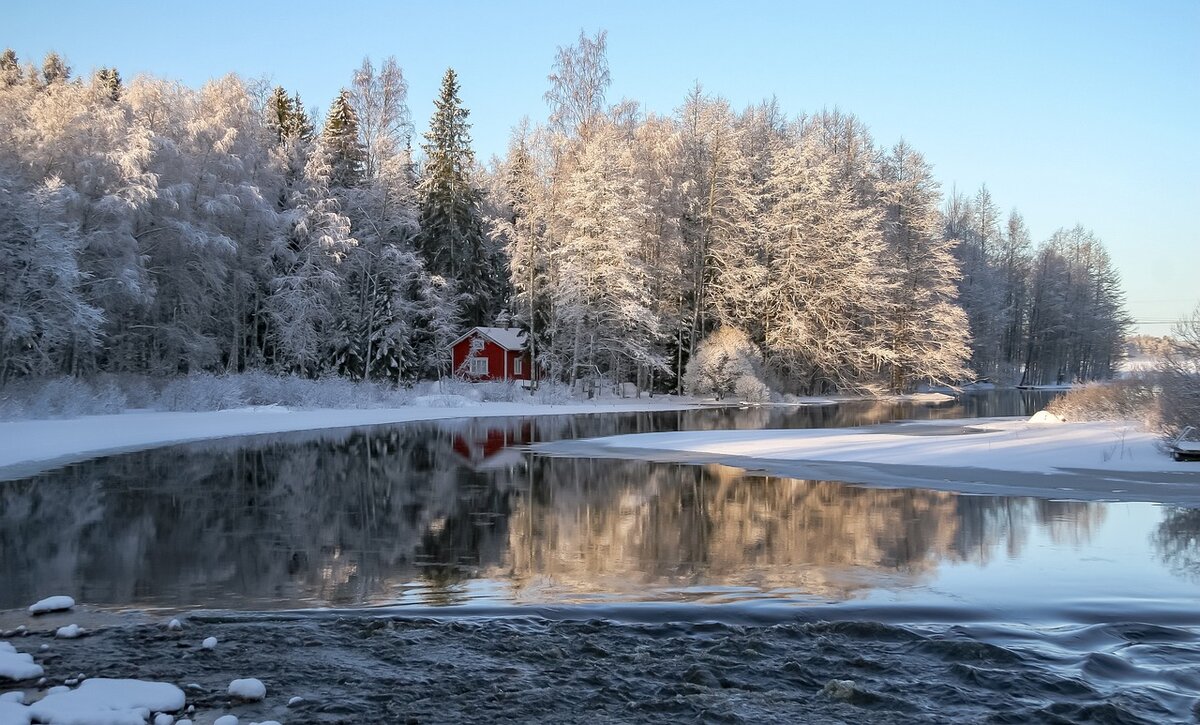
(28, 447)
(1000, 455)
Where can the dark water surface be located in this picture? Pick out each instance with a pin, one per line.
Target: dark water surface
(1072, 601)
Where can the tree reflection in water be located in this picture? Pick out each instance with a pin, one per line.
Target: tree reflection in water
(1177, 540)
(425, 512)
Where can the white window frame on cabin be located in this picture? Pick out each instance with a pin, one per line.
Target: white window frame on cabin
(477, 366)
(517, 365)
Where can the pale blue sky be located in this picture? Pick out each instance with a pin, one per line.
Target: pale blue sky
(1083, 112)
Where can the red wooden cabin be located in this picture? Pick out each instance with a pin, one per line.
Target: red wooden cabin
(492, 353)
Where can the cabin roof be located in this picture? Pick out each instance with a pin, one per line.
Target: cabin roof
(509, 338)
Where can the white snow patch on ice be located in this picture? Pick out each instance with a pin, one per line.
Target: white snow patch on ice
(16, 665)
(59, 603)
(248, 689)
(108, 702)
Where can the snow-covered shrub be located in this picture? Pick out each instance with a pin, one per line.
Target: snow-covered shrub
(201, 391)
(727, 362)
(751, 390)
(1128, 399)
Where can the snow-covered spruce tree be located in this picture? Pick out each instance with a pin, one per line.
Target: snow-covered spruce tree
(452, 240)
(10, 69)
(382, 274)
(924, 331)
(55, 69)
(722, 363)
(340, 144)
(285, 117)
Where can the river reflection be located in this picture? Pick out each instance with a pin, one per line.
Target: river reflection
(459, 512)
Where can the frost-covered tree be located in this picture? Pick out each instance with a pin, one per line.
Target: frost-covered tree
(603, 323)
(720, 223)
(924, 331)
(578, 84)
(1180, 379)
(380, 101)
(824, 286)
(46, 325)
(452, 240)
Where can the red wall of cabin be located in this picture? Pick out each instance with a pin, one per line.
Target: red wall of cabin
(495, 356)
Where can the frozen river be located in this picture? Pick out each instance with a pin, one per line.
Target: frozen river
(705, 579)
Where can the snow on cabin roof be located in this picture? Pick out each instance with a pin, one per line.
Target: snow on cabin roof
(509, 338)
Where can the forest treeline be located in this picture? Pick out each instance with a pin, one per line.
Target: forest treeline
(148, 227)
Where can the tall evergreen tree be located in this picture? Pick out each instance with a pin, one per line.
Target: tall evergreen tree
(10, 68)
(452, 239)
(340, 144)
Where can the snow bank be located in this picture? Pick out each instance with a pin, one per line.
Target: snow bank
(247, 689)
(58, 603)
(16, 665)
(13, 713)
(28, 447)
(108, 702)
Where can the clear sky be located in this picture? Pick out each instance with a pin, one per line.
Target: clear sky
(1073, 112)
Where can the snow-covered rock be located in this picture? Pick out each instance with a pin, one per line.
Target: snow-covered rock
(226, 720)
(59, 603)
(1045, 416)
(103, 701)
(209, 643)
(248, 689)
(71, 631)
(16, 665)
(174, 624)
(163, 718)
(295, 701)
(15, 696)
(13, 713)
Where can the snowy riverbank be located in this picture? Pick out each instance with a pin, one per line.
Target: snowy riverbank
(28, 447)
(1089, 461)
